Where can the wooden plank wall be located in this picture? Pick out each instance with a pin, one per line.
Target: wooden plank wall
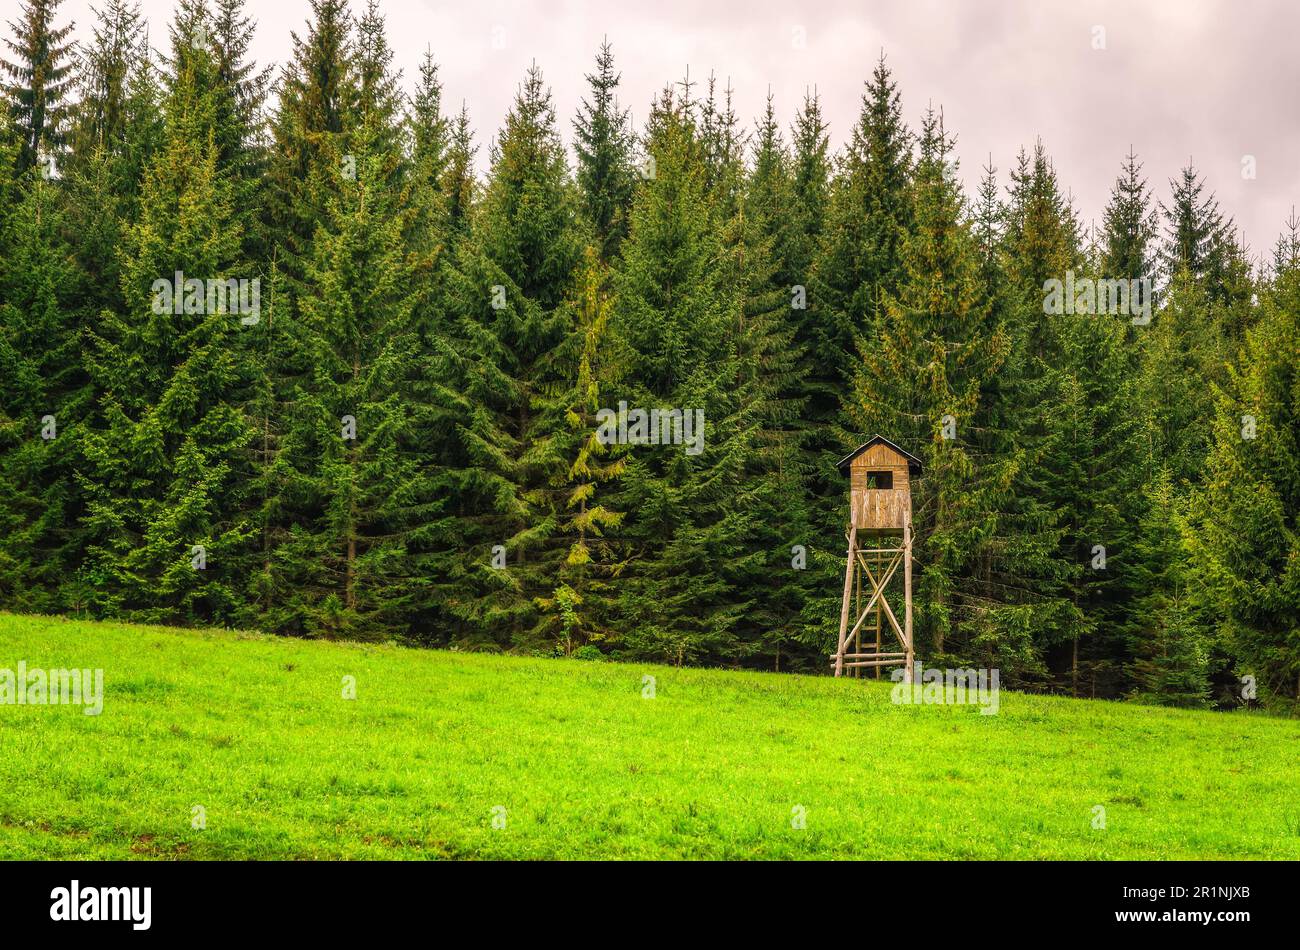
(878, 509)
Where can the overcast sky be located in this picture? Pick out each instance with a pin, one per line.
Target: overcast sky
(1177, 79)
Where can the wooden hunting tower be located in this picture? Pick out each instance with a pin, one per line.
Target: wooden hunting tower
(880, 509)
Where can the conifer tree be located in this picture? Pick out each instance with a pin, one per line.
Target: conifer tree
(722, 147)
(104, 69)
(1093, 474)
(40, 80)
(319, 95)
(579, 612)
(810, 188)
(379, 83)
(42, 399)
(857, 263)
(988, 224)
(223, 36)
(351, 472)
(429, 235)
(1129, 245)
(1244, 546)
(459, 186)
(1184, 356)
(1286, 252)
(817, 343)
(506, 317)
(1197, 238)
(603, 142)
(429, 135)
(923, 381)
(1130, 225)
(672, 315)
(769, 194)
(1171, 654)
(111, 150)
(9, 181)
(474, 592)
(770, 402)
(166, 466)
(866, 223)
(245, 89)
(1036, 562)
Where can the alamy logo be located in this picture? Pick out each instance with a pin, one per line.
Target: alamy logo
(1111, 295)
(653, 427)
(934, 687)
(24, 687)
(103, 903)
(191, 295)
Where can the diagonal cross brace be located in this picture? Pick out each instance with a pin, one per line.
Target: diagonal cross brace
(877, 593)
(889, 611)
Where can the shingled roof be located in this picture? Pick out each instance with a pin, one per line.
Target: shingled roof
(913, 463)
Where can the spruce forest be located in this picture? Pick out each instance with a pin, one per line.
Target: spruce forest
(391, 430)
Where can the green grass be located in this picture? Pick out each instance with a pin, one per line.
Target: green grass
(255, 730)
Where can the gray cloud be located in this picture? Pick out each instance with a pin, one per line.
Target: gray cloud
(1210, 80)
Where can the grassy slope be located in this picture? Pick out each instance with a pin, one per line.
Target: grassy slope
(254, 729)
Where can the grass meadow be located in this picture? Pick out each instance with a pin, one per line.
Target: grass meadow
(473, 756)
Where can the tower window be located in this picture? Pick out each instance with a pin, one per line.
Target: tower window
(881, 480)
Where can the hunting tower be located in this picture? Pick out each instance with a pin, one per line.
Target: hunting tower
(880, 514)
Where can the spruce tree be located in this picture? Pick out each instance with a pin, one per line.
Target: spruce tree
(42, 399)
(429, 136)
(104, 69)
(109, 156)
(769, 194)
(722, 147)
(820, 351)
(810, 187)
(922, 381)
(1036, 561)
(988, 224)
(1093, 474)
(1129, 245)
(1286, 252)
(676, 319)
(40, 80)
(1244, 542)
(770, 403)
(866, 223)
(166, 464)
(1197, 238)
(244, 87)
(858, 262)
(1169, 646)
(794, 183)
(506, 316)
(1184, 355)
(580, 611)
(1129, 242)
(319, 95)
(603, 142)
(349, 470)
(459, 185)
(223, 37)
(379, 83)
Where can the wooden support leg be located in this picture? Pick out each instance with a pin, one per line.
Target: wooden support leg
(844, 607)
(907, 594)
(857, 612)
(878, 571)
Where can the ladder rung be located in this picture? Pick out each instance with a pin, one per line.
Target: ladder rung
(859, 663)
